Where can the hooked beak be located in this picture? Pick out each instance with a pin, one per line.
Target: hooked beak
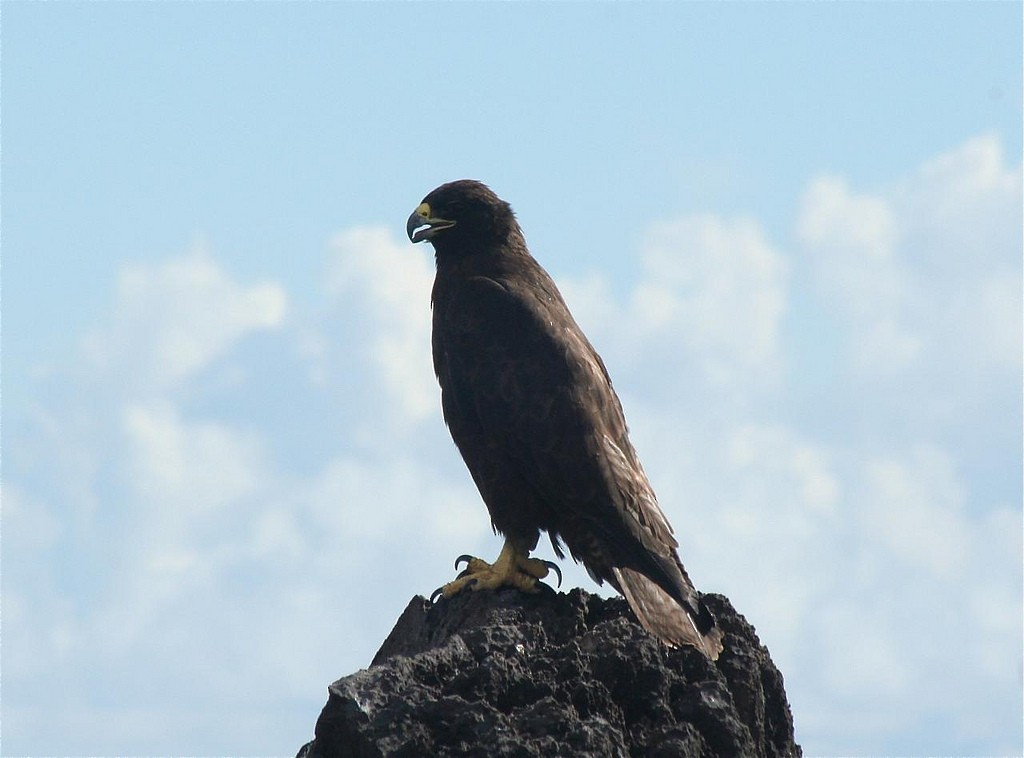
(421, 217)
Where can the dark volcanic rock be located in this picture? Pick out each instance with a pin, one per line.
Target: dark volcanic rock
(509, 674)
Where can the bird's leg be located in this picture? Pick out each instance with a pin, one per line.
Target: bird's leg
(513, 568)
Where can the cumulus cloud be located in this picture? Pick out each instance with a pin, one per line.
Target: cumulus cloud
(720, 287)
(381, 288)
(851, 241)
(171, 462)
(709, 302)
(923, 272)
(171, 320)
(914, 509)
(127, 502)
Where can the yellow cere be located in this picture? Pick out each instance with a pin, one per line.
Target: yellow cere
(423, 210)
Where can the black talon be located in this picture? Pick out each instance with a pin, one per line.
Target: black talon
(461, 558)
(558, 571)
(435, 594)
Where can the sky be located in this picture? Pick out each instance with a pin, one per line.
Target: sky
(793, 231)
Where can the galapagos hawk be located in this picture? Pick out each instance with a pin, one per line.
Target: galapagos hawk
(531, 409)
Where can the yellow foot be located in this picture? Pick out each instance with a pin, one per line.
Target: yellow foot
(511, 569)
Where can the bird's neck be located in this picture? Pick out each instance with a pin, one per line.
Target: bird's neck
(482, 259)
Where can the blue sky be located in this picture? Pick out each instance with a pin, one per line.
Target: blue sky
(792, 230)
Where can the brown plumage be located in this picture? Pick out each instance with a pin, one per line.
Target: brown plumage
(532, 410)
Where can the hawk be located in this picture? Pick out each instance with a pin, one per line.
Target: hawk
(531, 408)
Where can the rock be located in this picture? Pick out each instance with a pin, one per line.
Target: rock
(509, 674)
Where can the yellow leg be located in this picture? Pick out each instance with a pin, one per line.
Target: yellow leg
(512, 568)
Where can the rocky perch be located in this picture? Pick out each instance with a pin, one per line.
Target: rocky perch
(508, 674)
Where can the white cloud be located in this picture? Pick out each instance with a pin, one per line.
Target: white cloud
(199, 466)
(710, 298)
(915, 510)
(851, 243)
(719, 286)
(753, 448)
(400, 496)
(37, 528)
(959, 190)
(171, 320)
(382, 287)
(867, 656)
(926, 273)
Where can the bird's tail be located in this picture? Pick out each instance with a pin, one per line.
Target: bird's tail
(665, 618)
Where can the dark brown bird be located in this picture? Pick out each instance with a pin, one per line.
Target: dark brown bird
(532, 410)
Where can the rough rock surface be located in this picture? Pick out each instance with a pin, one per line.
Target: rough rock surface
(509, 674)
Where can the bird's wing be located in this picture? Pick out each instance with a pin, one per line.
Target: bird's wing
(519, 375)
(518, 364)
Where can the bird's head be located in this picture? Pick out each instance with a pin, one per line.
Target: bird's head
(462, 215)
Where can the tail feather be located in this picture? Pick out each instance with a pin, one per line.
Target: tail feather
(665, 618)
